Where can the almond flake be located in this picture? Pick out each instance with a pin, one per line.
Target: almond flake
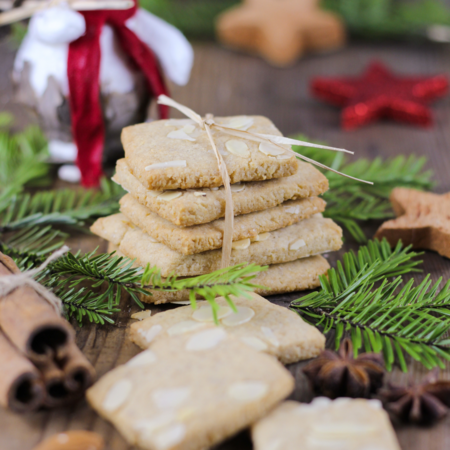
(254, 342)
(150, 334)
(153, 193)
(142, 359)
(280, 157)
(185, 326)
(206, 340)
(240, 123)
(117, 395)
(248, 391)
(317, 403)
(375, 404)
(269, 149)
(243, 315)
(146, 427)
(317, 216)
(189, 129)
(270, 335)
(199, 194)
(165, 165)
(170, 398)
(241, 244)
(141, 315)
(151, 239)
(292, 209)
(261, 237)
(341, 401)
(238, 148)
(237, 187)
(180, 134)
(297, 244)
(170, 436)
(169, 195)
(205, 313)
(182, 302)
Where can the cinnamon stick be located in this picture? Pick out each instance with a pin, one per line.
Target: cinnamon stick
(33, 328)
(66, 379)
(21, 387)
(56, 393)
(79, 373)
(30, 322)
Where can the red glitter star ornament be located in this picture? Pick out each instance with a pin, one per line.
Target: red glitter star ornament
(379, 93)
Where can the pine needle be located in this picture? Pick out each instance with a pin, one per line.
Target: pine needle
(366, 297)
(62, 207)
(22, 162)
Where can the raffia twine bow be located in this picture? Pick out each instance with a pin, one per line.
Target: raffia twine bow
(207, 124)
(9, 283)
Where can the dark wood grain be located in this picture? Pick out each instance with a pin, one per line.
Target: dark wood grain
(227, 83)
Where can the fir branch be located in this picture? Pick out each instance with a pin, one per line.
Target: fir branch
(370, 19)
(22, 162)
(385, 316)
(195, 18)
(349, 202)
(66, 207)
(33, 242)
(91, 285)
(375, 19)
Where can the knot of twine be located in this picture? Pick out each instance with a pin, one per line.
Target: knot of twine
(206, 124)
(9, 283)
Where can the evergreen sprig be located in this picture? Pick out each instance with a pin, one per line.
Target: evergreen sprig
(350, 202)
(370, 19)
(60, 207)
(382, 315)
(22, 161)
(31, 223)
(375, 19)
(91, 285)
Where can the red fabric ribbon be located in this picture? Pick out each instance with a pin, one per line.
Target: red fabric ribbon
(83, 70)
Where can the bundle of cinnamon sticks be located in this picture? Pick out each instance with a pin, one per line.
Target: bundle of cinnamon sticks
(40, 364)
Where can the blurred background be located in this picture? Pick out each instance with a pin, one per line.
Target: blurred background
(231, 77)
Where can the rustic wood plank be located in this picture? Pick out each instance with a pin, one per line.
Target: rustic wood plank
(228, 83)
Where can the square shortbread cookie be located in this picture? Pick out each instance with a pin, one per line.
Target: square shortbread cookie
(306, 238)
(258, 323)
(190, 392)
(192, 207)
(342, 424)
(209, 236)
(292, 276)
(177, 154)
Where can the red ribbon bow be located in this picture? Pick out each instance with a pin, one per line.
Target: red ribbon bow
(83, 69)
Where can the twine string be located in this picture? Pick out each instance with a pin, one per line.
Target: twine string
(9, 283)
(206, 124)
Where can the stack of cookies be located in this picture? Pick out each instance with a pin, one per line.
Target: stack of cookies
(172, 216)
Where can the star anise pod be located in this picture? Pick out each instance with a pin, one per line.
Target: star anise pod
(341, 375)
(423, 403)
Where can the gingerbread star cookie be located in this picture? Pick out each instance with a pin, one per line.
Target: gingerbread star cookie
(280, 31)
(423, 220)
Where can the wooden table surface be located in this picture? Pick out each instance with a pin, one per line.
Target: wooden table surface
(227, 83)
